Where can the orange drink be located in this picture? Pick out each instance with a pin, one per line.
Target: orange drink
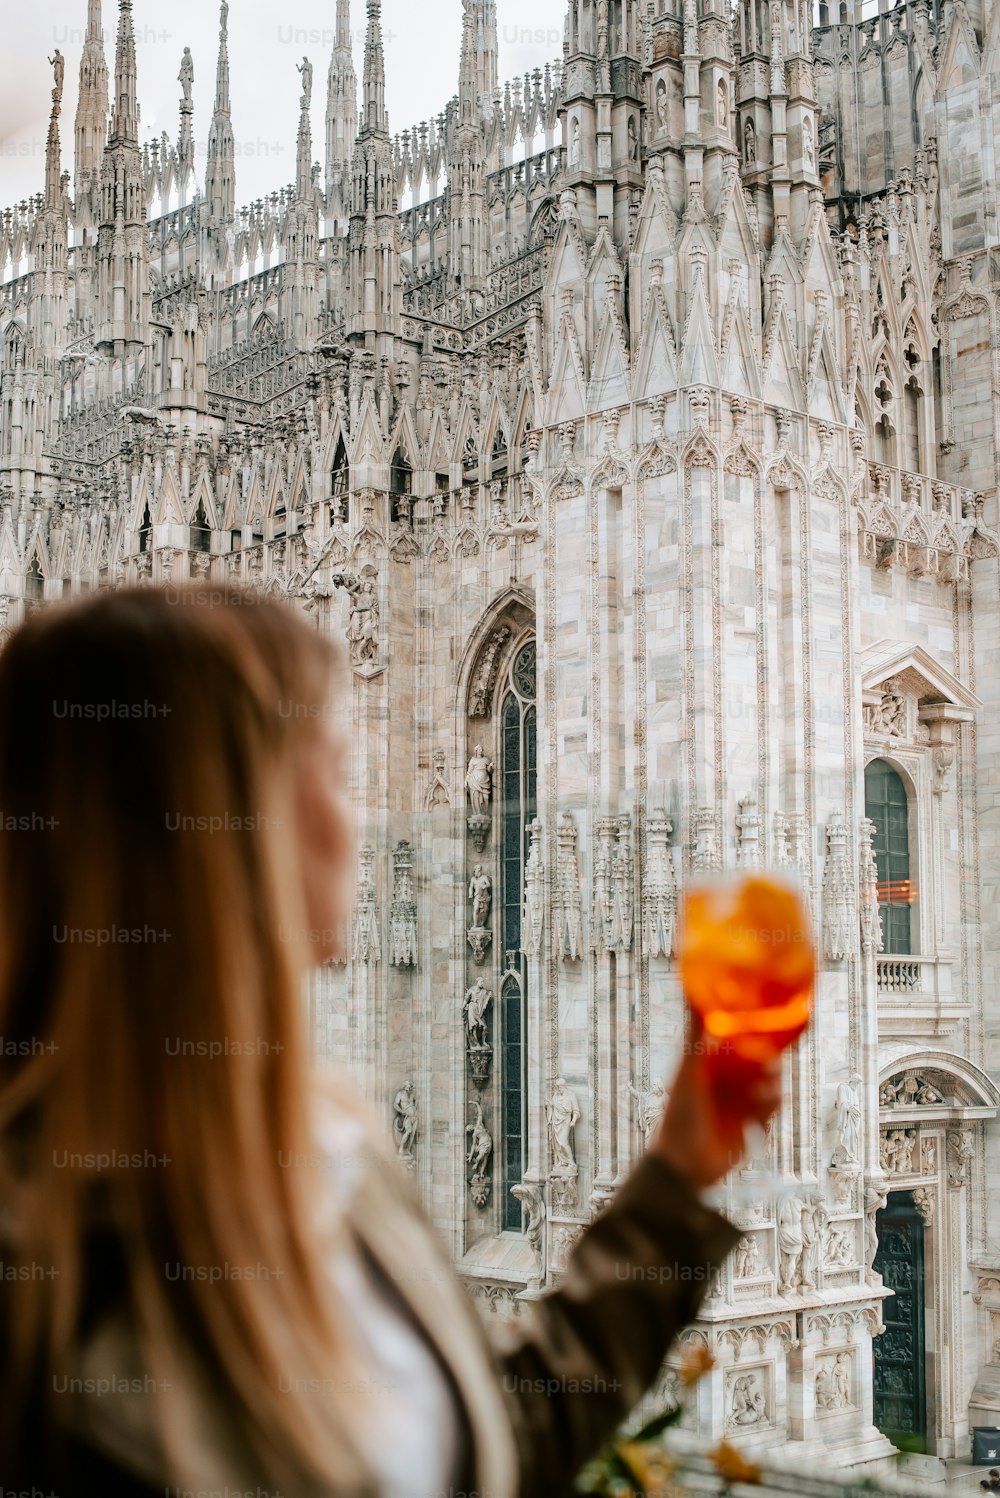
(747, 966)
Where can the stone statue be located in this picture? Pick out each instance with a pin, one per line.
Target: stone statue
(960, 1153)
(927, 1095)
(574, 141)
(662, 118)
(479, 780)
(480, 1145)
(824, 1386)
(749, 144)
(58, 65)
(886, 1095)
(721, 105)
(897, 1151)
(531, 1200)
(814, 1220)
(876, 1195)
(362, 630)
(307, 82)
(748, 1406)
(839, 1247)
(746, 1258)
(186, 75)
(791, 1244)
(648, 1107)
(562, 1113)
(842, 1380)
(481, 895)
(808, 144)
(633, 140)
(404, 1122)
(847, 1110)
(477, 1003)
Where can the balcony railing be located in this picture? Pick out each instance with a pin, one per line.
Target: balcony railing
(903, 974)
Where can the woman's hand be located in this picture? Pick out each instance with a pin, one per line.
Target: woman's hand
(702, 1133)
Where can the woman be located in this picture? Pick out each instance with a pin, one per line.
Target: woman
(215, 1277)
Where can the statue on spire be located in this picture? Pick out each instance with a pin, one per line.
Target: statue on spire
(58, 63)
(186, 75)
(307, 82)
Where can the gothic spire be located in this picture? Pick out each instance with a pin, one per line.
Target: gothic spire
(53, 165)
(479, 51)
(220, 172)
(185, 139)
(91, 129)
(375, 118)
(303, 155)
(125, 120)
(341, 120)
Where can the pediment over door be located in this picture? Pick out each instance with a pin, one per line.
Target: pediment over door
(910, 697)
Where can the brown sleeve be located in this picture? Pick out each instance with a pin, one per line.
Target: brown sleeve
(592, 1348)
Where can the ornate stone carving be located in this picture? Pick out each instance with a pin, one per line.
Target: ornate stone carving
(475, 1009)
(814, 1221)
(622, 888)
(838, 924)
(531, 1200)
(481, 693)
(367, 946)
(403, 912)
(438, 790)
(923, 1200)
(841, 1249)
(748, 830)
(659, 890)
(564, 1240)
(567, 907)
(876, 1196)
(479, 781)
(746, 1400)
(649, 1103)
(601, 919)
(562, 1114)
(871, 919)
(791, 1244)
(481, 895)
(960, 1154)
(847, 1113)
(833, 1383)
(405, 1124)
(909, 1089)
(746, 1258)
(896, 1151)
(705, 856)
(534, 892)
(480, 828)
(363, 625)
(478, 1157)
(887, 718)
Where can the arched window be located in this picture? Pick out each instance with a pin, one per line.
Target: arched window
(887, 805)
(517, 767)
(34, 584)
(400, 487)
(145, 530)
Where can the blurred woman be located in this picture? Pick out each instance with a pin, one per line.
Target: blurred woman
(215, 1277)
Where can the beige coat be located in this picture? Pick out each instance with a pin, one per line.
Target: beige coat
(533, 1413)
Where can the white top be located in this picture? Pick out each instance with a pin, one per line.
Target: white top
(415, 1435)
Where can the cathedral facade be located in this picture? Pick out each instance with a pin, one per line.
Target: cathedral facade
(635, 424)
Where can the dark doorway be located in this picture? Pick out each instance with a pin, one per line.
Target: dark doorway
(900, 1389)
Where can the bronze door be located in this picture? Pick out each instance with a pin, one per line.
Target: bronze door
(900, 1389)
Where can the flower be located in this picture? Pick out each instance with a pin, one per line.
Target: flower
(697, 1362)
(732, 1465)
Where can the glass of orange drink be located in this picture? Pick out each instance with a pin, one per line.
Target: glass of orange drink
(748, 967)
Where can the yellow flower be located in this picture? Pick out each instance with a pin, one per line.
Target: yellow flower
(650, 1467)
(733, 1466)
(697, 1362)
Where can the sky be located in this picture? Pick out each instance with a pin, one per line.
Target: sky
(266, 44)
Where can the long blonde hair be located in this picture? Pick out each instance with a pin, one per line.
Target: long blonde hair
(149, 897)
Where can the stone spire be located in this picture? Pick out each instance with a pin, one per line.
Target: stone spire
(303, 150)
(92, 105)
(185, 136)
(123, 304)
(125, 120)
(341, 122)
(374, 284)
(374, 117)
(479, 51)
(220, 172)
(47, 306)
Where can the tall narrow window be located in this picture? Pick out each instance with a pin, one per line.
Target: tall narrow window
(887, 805)
(517, 809)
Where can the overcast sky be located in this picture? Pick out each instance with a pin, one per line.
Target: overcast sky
(266, 42)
